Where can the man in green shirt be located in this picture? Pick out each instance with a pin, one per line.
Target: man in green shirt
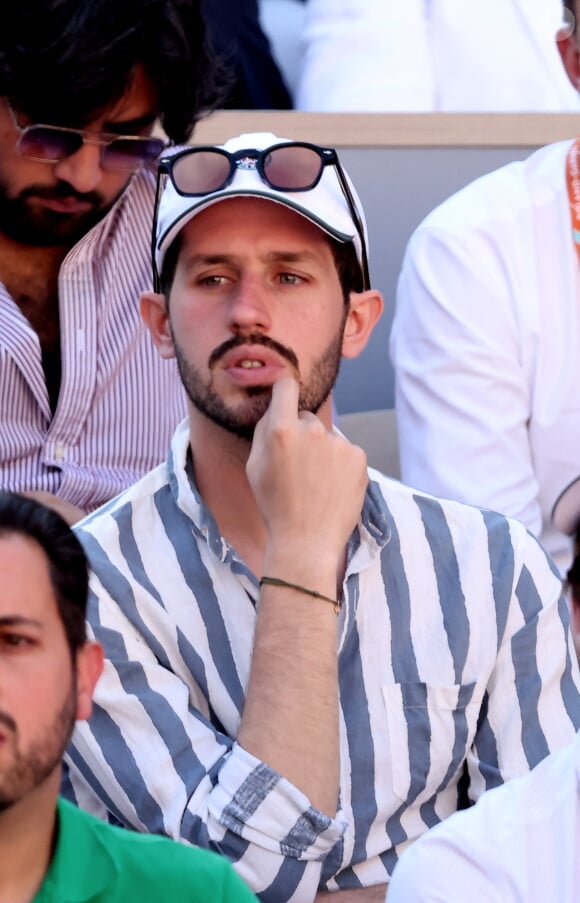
(52, 852)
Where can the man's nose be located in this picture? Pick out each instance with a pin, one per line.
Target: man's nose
(83, 170)
(249, 309)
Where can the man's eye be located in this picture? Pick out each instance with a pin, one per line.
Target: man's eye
(289, 279)
(14, 640)
(213, 280)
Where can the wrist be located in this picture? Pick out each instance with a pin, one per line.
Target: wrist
(303, 590)
(301, 559)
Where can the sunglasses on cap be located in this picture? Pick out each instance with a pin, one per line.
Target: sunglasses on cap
(52, 143)
(287, 167)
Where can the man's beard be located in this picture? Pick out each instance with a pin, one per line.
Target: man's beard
(40, 227)
(242, 419)
(32, 766)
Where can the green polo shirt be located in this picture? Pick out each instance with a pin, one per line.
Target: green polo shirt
(98, 862)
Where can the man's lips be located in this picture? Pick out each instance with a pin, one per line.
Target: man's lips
(251, 357)
(253, 366)
(260, 349)
(61, 198)
(64, 205)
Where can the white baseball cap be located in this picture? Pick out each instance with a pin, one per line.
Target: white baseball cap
(325, 205)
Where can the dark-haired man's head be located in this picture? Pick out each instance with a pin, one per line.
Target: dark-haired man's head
(54, 202)
(65, 62)
(110, 67)
(47, 668)
(65, 558)
(261, 249)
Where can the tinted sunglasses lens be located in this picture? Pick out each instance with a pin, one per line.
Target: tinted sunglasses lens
(131, 153)
(43, 143)
(201, 173)
(292, 168)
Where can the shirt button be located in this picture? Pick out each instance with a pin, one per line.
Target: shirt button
(59, 451)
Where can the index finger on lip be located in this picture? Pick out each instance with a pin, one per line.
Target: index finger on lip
(284, 401)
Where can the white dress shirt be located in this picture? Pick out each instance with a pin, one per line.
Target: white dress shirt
(519, 844)
(486, 346)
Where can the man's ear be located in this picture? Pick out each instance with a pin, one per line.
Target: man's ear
(155, 315)
(365, 309)
(568, 50)
(89, 666)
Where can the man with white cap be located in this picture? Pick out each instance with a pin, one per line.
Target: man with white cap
(307, 664)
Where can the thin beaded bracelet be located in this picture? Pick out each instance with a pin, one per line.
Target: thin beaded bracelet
(276, 581)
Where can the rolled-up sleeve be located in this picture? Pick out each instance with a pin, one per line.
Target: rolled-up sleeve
(154, 758)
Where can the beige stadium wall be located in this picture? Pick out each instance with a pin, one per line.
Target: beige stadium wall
(403, 165)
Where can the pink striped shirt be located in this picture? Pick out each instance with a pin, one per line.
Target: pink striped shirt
(119, 401)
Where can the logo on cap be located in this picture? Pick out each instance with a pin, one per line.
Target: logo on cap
(247, 162)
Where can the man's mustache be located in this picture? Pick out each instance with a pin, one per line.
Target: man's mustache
(253, 339)
(62, 191)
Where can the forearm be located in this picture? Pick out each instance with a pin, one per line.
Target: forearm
(290, 717)
(309, 485)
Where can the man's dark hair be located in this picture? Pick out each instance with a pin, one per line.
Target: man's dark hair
(347, 267)
(67, 562)
(573, 575)
(167, 274)
(65, 61)
(345, 260)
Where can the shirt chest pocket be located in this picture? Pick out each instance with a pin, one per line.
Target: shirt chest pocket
(430, 729)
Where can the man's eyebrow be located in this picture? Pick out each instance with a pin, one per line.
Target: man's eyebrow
(128, 126)
(18, 621)
(290, 256)
(191, 260)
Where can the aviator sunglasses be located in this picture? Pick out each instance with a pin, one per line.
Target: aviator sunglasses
(289, 167)
(52, 143)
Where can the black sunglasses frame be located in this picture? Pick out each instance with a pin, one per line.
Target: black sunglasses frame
(327, 155)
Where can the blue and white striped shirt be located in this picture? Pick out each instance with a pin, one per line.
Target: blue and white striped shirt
(119, 401)
(453, 654)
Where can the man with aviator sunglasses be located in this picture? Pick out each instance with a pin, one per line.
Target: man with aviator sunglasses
(307, 664)
(87, 406)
